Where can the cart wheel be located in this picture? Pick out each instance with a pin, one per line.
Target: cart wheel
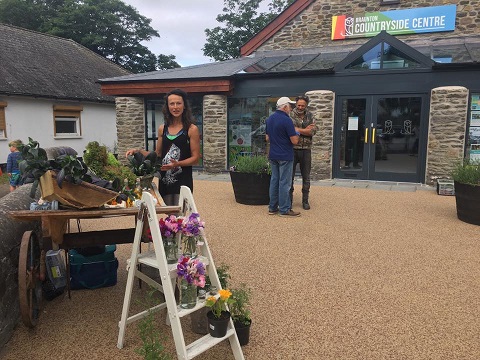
(29, 284)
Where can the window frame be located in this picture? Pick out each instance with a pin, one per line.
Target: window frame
(3, 120)
(67, 113)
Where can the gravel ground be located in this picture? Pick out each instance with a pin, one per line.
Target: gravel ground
(365, 274)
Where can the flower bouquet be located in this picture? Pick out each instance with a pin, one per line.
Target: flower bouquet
(191, 273)
(169, 229)
(191, 235)
(218, 316)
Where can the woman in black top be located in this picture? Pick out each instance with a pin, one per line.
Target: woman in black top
(178, 146)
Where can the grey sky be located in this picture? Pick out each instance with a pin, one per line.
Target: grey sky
(181, 25)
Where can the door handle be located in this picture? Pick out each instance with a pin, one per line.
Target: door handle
(373, 136)
(366, 135)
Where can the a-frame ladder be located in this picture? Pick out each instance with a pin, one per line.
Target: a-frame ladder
(156, 259)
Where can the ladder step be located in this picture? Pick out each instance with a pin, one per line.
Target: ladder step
(206, 342)
(149, 259)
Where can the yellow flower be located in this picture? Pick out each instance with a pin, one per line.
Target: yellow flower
(224, 294)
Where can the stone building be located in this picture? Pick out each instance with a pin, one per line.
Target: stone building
(393, 85)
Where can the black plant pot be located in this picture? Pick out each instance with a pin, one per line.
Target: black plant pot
(467, 198)
(217, 327)
(243, 332)
(250, 188)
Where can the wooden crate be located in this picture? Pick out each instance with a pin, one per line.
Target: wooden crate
(81, 196)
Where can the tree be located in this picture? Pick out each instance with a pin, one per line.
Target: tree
(167, 62)
(110, 28)
(241, 22)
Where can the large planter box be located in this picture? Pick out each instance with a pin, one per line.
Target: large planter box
(467, 198)
(251, 189)
(81, 196)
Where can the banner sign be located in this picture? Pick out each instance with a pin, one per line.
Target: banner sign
(396, 22)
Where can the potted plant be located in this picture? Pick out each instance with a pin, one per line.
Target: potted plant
(218, 316)
(250, 176)
(240, 312)
(143, 166)
(466, 177)
(199, 318)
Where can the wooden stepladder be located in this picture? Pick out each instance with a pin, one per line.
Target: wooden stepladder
(156, 258)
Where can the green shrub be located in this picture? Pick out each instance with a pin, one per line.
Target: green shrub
(467, 172)
(257, 164)
(4, 179)
(112, 172)
(95, 157)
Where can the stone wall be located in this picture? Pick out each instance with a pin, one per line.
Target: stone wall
(130, 124)
(11, 232)
(312, 28)
(322, 104)
(214, 133)
(446, 135)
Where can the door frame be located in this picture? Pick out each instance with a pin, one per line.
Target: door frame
(366, 173)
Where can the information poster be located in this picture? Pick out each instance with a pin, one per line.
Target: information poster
(475, 102)
(475, 118)
(475, 152)
(353, 123)
(240, 135)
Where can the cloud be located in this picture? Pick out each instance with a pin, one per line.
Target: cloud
(181, 25)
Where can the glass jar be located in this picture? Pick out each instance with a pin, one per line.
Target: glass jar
(188, 295)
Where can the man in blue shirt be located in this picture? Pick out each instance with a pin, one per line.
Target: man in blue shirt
(281, 134)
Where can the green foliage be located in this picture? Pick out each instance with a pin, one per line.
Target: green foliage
(3, 179)
(96, 157)
(34, 163)
(223, 276)
(143, 165)
(241, 22)
(110, 28)
(152, 347)
(112, 160)
(239, 308)
(70, 168)
(257, 164)
(112, 172)
(467, 172)
(165, 62)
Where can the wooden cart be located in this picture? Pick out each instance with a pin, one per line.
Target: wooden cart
(54, 235)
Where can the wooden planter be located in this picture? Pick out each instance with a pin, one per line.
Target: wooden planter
(467, 198)
(251, 189)
(81, 196)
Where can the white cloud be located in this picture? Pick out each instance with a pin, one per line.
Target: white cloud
(181, 25)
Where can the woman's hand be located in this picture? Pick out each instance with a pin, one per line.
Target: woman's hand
(130, 152)
(171, 165)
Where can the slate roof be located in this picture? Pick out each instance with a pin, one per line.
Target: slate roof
(464, 50)
(41, 65)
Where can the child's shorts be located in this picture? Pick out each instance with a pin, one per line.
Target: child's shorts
(15, 179)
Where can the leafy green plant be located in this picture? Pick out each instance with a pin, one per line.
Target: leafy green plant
(34, 163)
(70, 168)
(96, 157)
(152, 339)
(467, 172)
(142, 165)
(239, 308)
(223, 276)
(257, 164)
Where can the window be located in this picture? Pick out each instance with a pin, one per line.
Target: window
(3, 123)
(67, 121)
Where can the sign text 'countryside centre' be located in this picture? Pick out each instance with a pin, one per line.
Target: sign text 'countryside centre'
(411, 21)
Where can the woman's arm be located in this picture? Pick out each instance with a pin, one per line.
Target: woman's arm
(158, 148)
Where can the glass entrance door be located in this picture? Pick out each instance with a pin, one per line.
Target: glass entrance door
(379, 138)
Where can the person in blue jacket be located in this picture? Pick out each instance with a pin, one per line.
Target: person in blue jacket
(12, 164)
(281, 134)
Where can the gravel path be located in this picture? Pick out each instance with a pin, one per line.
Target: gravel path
(365, 274)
